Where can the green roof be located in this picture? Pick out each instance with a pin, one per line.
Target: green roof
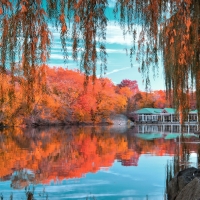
(176, 135)
(169, 136)
(149, 111)
(193, 112)
(149, 136)
(170, 110)
(152, 111)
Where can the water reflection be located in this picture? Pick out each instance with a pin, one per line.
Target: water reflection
(187, 154)
(40, 156)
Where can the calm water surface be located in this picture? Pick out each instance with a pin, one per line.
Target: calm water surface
(91, 162)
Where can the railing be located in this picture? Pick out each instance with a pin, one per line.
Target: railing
(166, 128)
(164, 118)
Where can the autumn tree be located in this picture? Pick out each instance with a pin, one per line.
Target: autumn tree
(132, 85)
(69, 102)
(136, 99)
(147, 100)
(65, 100)
(26, 37)
(160, 99)
(128, 88)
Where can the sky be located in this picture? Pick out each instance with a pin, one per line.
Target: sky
(118, 62)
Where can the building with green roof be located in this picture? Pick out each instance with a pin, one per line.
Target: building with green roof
(165, 115)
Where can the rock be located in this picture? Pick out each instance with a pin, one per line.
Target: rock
(172, 189)
(180, 180)
(185, 176)
(120, 120)
(120, 123)
(191, 191)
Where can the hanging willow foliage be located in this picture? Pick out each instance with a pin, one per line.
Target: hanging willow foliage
(26, 38)
(170, 27)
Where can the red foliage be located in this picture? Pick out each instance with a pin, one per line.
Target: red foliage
(132, 85)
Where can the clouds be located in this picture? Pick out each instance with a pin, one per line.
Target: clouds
(115, 35)
(116, 43)
(57, 57)
(118, 61)
(117, 70)
(111, 3)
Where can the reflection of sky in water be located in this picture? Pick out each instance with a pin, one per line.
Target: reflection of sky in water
(117, 182)
(193, 160)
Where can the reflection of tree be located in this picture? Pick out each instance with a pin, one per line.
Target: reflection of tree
(41, 155)
(181, 158)
(183, 151)
(198, 155)
(29, 192)
(57, 153)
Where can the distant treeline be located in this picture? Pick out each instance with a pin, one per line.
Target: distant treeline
(62, 98)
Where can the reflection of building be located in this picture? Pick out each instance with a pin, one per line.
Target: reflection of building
(166, 115)
(167, 128)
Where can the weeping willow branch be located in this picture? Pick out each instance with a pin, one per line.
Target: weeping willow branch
(171, 27)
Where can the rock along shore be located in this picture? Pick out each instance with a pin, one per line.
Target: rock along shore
(185, 185)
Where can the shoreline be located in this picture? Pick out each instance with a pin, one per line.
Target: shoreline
(35, 125)
(118, 120)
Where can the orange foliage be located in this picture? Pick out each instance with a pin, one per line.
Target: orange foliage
(57, 154)
(61, 98)
(154, 99)
(62, 153)
(67, 86)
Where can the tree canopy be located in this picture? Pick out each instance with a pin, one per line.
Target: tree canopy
(169, 28)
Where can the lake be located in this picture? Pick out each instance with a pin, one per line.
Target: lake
(92, 162)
